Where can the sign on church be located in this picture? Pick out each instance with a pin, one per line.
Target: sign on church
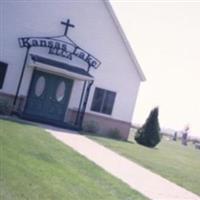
(59, 47)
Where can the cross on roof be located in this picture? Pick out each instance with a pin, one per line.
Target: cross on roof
(67, 24)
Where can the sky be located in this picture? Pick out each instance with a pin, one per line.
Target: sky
(165, 37)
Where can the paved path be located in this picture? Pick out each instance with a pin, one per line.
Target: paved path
(137, 177)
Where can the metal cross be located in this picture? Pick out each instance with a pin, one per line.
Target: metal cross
(67, 24)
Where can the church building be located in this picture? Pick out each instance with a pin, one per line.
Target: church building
(68, 64)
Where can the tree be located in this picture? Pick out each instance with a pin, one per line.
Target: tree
(149, 134)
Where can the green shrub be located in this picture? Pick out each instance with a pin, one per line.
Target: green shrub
(114, 133)
(5, 108)
(149, 134)
(91, 127)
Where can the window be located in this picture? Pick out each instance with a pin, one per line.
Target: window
(3, 68)
(60, 92)
(103, 101)
(40, 86)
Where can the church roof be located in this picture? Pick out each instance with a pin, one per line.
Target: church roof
(125, 40)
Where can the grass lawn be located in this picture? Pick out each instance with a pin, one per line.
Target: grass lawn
(170, 159)
(33, 165)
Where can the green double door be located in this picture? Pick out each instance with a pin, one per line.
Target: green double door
(48, 97)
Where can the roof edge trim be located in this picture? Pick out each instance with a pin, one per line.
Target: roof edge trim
(124, 39)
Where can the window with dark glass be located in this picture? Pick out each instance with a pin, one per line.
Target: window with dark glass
(103, 101)
(3, 68)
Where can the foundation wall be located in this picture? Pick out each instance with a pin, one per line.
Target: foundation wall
(101, 125)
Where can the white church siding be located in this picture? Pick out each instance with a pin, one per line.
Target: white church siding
(95, 31)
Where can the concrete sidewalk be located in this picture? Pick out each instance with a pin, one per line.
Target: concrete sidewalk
(149, 184)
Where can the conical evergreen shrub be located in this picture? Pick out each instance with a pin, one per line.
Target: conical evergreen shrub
(149, 134)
